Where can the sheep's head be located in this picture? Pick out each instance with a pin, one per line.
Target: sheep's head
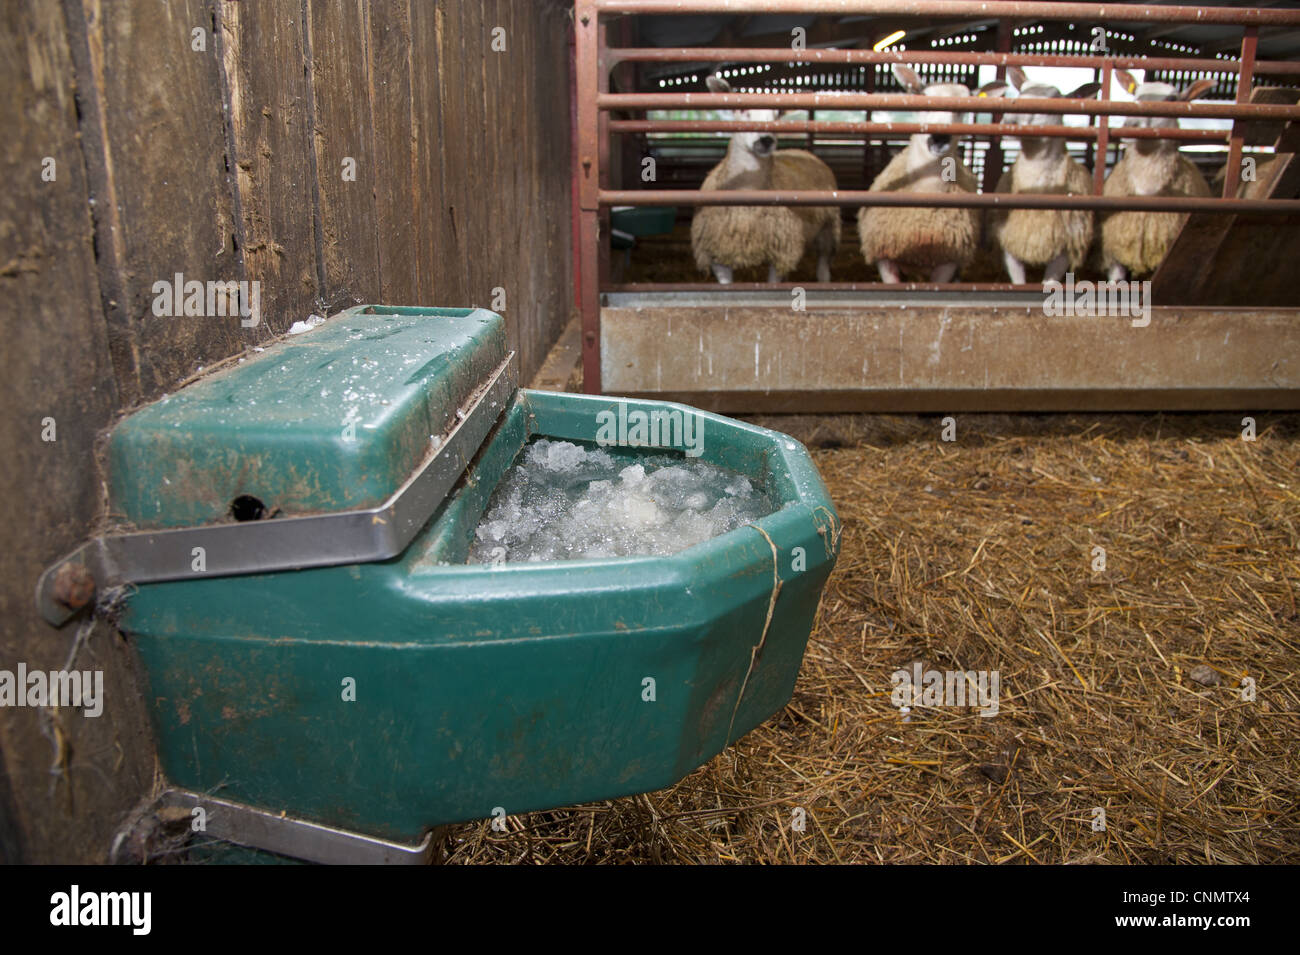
(936, 145)
(1155, 93)
(758, 144)
(1022, 85)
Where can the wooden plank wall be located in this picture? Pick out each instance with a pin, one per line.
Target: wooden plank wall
(226, 162)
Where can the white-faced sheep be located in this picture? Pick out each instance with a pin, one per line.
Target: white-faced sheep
(1137, 242)
(940, 240)
(725, 238)
(1055, 239)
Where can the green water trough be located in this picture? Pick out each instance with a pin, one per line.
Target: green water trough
(324, 667)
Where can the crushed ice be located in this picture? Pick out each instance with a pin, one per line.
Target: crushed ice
(313, 321)
(563, 501)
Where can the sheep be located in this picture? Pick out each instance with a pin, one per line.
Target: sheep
(941, 240)
(1056, 239)
(1137, 242)
(724, 238)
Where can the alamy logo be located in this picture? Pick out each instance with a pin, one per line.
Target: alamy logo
(195, 299)
(1092, 299)
(77, 688)
(917, 687)
(660, 428)
(103, 908)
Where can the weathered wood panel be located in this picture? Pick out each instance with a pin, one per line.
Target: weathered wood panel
(545, 261)
(430, 222)
(496, 45)
(343, 140)
(485, 203)
(395, 151)
(157, 165)
(263, 62)
(70, 777)
(528, 179)
(934, 358)
(453, 269)
(473, 40)
(225, 163)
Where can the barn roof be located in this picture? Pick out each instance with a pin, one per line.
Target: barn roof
(856, 31)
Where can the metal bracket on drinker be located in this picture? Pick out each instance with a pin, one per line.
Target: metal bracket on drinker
(289, 543)
(286, 835)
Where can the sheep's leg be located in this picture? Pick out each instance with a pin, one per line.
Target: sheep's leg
(1117, 273)
(771, 273)
(943, 273)
(1055, 270)
(1015, 268)
(723, 273)
(823, 268)
(889, 270)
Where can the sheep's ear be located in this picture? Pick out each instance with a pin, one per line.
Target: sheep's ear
(792, 114)
(1196, 89)
(1126, 80)
(908, 78)
(1017, 77)
(1086, 91)
(994, 88)
(717, 84)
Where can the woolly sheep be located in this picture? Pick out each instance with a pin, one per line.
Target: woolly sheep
(940, 240)
(725, 238)
(1137, 242)
(1056, 239)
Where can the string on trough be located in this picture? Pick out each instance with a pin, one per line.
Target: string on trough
(767, 625)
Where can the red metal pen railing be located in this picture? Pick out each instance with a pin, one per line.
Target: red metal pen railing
(742, 54)
(973, 9)
(595, 59)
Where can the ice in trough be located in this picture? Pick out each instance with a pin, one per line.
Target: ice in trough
(566, 501)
